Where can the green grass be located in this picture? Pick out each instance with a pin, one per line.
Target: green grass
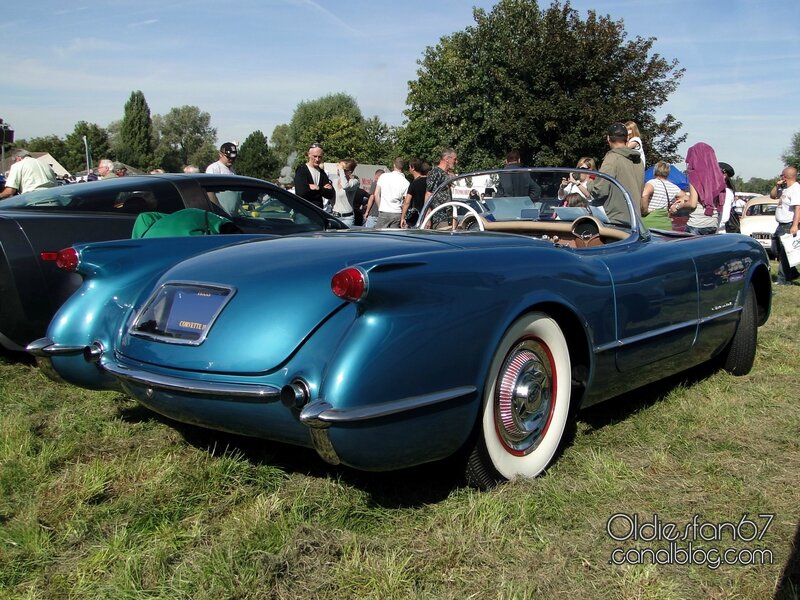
(100, 498)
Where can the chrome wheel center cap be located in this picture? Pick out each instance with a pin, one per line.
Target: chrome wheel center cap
(524, 397)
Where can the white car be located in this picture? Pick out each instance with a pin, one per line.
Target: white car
(758, 220)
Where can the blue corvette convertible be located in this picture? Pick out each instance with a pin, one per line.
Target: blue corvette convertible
(482, 332)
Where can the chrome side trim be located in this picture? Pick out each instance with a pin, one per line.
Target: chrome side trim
(240, 391)
(321, 414)
(47, 347)
(616, 344)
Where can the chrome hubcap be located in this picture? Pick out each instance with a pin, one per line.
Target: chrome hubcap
(524, 396)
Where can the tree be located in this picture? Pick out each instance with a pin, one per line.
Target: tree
(186, 137)
(282, 143)
(75, 151)
(791, 157)
(757, 185)
(544, 81)
(380, 142)
(48, 143)
(335, 121)
(135, 141)
(255, 158)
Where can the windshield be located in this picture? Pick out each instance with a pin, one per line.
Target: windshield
(537, 195)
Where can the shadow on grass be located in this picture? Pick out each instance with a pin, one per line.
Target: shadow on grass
(622, 407)
(789, 585)
(10, 357)
(411, 487)
(415, 486)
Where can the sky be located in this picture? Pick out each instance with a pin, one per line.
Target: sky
(248, 63)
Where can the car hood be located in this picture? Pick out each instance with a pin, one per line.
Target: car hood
(280, 294)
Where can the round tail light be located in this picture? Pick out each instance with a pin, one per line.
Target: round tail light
(66, 259)
(351, 284)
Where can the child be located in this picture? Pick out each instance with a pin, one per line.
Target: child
(635, 139)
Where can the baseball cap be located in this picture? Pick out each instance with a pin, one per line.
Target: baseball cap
(727, 169)
(228, 149)
(617, 130)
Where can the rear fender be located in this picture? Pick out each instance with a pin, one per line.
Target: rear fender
(115, 275)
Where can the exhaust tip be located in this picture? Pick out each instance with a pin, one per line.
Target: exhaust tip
(93, 352)
(295, 394)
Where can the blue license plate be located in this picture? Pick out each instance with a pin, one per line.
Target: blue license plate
(181, 313)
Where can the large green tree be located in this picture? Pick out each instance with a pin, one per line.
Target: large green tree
(255, 158)
(185, 137)
(335, 121)
(135, 136)
(545, 81)
(75, 151)
(792, 156)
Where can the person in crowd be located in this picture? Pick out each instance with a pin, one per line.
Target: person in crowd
(415, 196)
(120, 170)
(345, 187)
(706, 190)
(729, 220)
(577, 185)
(360, 200)
(575, 199)
(156, 171)
(389, 194)
(658, 195)
(227, 156)
(371, 208)
(635, 139)
(626, 166)
(787, 191)
(27, 174)
(191, 169)
(105, 169)
(517, 184)
(310, 180)
(436, 177)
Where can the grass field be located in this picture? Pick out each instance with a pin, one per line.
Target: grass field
(100, 498)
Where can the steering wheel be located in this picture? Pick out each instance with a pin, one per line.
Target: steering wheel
(586, 231)
(455, 205)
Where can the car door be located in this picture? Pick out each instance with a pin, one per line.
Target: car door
(656, 299)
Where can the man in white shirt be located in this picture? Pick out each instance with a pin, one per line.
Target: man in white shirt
(787, 214)
(224, 166)
(27, 174)
(389, 195)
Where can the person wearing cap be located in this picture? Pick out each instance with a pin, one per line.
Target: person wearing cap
(26, 174)
(227, 155)
(626, 166)
(310, 180)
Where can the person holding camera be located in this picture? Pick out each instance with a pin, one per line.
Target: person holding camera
(576, 182)
(787, 191)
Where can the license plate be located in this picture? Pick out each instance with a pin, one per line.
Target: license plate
(181, 313)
